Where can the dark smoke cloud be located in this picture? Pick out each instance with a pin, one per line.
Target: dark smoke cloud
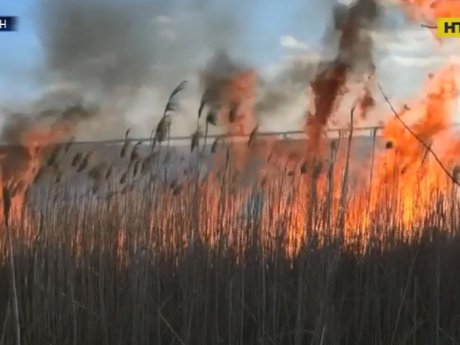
(123, 55)
(217, 75)
(353, 23)
(97, 45)
(228, 91)
(14, 128)
(354, 56)
(347, 53)
(107, 45)
(285, 87)
(124, 58)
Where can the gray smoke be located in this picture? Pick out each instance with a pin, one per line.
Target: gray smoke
(290, 82)
(216, 76)
(126, 57)
(109, 44)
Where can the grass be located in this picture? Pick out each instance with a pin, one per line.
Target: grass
(406, 295)
(250, 243)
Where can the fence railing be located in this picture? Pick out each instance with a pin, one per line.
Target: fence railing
(283, 135)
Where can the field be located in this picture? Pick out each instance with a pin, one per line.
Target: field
(247, 243)
(232, 235)
(339, 239)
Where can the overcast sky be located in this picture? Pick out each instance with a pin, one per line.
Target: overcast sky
(274, 33)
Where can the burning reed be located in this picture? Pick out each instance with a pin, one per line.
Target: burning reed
(237, 242)
(146, 244)
(221, 255)
(315, 241)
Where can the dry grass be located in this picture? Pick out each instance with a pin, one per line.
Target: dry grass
(251, 243)
(179, 261)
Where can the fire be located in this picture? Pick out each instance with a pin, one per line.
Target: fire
(238, 116)
(36, 141)
(432, 9)
(314, 191)
(406, 175)
(404, 184)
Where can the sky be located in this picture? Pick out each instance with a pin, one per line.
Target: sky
(20, 50)
(275, 33)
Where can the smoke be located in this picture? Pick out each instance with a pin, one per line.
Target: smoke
(217, 75)
(327, 74)
(346, 57)
(354, 57)
(229, 90)
(15, 127)
(283, 96)
(347, 52)
(125, 57)
(122, 59)
(111, 45)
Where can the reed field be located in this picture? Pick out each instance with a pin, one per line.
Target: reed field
(346, 234)
(224, 241)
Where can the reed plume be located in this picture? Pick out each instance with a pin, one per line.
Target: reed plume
(77, 159)
(85, 162)
(124, 148)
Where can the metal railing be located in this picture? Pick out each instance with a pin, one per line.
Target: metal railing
(283, 135)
